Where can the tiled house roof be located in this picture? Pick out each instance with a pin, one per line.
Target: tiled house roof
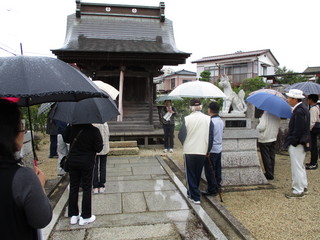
(235, 56)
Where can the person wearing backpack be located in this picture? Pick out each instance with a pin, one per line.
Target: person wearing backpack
(314, 130)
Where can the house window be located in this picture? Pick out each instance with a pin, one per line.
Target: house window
(173, 83)
(186, 80)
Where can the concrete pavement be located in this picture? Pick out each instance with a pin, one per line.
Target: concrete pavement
(143, 200)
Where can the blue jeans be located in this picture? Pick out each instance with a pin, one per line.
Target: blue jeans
(99, 176)
(213, 180)
(193, 166)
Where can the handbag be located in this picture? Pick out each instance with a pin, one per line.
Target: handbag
(64, 163)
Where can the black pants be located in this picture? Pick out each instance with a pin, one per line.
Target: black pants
(168, 135)
(268, 155)
(314, 146)
(100, 171)
(81, 174)
(53, 145)
(193, 166)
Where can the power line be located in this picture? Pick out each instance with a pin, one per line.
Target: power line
(8, 51)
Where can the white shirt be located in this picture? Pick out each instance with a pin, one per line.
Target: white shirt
(314, 116)
(268, 128)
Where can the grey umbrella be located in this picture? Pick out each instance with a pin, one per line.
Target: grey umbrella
(91, 110)
(306, 87)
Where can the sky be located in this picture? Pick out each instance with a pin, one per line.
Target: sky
(289, 28)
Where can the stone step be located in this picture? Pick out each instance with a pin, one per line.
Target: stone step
(123, 151)
(162, 231)
(122, 144)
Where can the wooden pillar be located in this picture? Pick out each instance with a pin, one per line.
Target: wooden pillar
(150, 97)
(121, 82)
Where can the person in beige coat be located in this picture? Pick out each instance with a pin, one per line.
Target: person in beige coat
(268, 128)
(100, 167)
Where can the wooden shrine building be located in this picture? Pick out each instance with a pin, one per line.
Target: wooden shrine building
(125, 46)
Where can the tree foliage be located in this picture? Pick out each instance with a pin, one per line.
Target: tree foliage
(288, 76)
(205, 76)
(252, 84)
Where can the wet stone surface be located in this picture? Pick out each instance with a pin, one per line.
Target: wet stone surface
(140, 202)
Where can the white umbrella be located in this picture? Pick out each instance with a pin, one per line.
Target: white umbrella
(198, 89)
(113, 92)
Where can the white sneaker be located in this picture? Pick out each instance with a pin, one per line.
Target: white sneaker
(95, 190)
(74, 219)
(84, 221)
(102, 189)
(171, 150)
(165, 150)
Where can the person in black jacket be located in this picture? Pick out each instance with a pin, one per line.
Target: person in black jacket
(167, 115)
(24, 206)
(87, 142)
(298, 142)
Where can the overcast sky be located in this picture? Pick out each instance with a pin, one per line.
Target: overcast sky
(289, 28)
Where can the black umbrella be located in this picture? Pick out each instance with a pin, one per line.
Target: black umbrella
(36, 80)
(91, 110)
(43, 79)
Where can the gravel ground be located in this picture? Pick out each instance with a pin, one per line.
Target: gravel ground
(267, 214)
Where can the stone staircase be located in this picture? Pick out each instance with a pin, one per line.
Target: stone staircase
(136, 119)
(118, 148)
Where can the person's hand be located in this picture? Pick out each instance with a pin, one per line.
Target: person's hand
(40, 175)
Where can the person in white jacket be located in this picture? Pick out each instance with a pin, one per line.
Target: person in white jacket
(268, 128)
(100, 167)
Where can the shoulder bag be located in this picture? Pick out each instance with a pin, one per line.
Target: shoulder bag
(64, 163)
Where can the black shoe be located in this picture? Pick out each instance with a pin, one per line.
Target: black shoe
(312, 167)
(268, 177)
(206, 193)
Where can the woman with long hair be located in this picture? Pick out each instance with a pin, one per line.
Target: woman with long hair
(24, 205)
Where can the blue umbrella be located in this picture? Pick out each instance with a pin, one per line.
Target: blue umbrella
(271, 103)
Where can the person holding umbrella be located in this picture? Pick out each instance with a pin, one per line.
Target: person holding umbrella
(24, 206)
(315, 130)
(167, 116)
(298, 142)
(85, 141)
(268, 128)
(100, 167)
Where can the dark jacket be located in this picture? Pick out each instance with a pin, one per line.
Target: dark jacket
(84, 150)
(23, 205)
(163, 112)
(299, 128)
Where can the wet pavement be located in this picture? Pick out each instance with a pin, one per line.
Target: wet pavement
(143, 200)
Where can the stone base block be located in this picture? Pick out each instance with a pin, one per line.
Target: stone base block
(123, 151)
(123, 144)
(243, 176)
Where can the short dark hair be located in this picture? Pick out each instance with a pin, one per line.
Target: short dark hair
(313, 97)
(214, 107)
(10, 124)
(195, 102)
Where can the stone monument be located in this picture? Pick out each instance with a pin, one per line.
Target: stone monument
(240, 161)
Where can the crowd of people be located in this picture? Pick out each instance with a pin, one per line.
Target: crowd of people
(27, 208)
